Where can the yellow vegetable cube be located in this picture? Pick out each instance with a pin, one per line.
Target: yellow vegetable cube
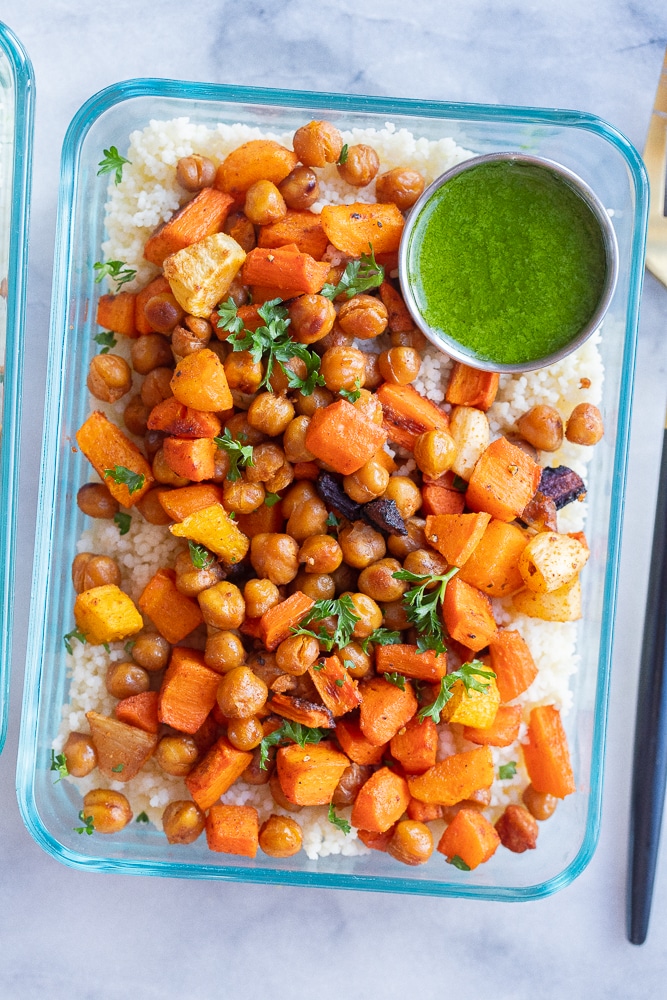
(473, 708)
(106, 614)
(470, 429)
(200, 275)
(551, 560)
(213, 528)
(562, 605)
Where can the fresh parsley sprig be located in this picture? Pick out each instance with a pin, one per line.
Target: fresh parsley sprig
(106, 340)
(201, 558)
(343, 154)
(338, 821)
(398, 680)
(289, 732)
(340, 608)
(88, 827)
(507, 771)
(359, 276)
(112, 163)
(115, 270)
(239, 454)
(125, 477)
(351, 395)
(74, 634)
(469, 674)
(59, 764)
(381, 637)
(458, 863)
(423, 606)
(142, 818)
(122, 522)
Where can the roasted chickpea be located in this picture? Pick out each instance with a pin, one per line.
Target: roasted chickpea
(90, 570)
(109, 377)
(241, 229)
(320, 554)
(368, 404)
(270, 413)
(264, 665)
(279, 796)
(151, 509)
(163, 473)
(95, 500)
(241, 693)
(411, 843)
(317, 586)
(281, 479)
(183, 822)
(369, 482)
(435, 452)
(125, 679)
(267, 458)
(190, 580)
(275, 557)
(135, 416)
(185, 340)
(361, 165)
(306, 405)
(343, 368)
(300, 188)
(150, 351)
(400, 545)
(541, 805)
(520, 442)
(363, 316)
(358, 663)
(402, 186)
(153, 443)
(157, 386)
(317, 143)
(222, 465)
(151, 651)
(584, 425)
(110, 811)
(80, 755)
(425, 562)
(254, 774)
(352, 778)
(377, 581)
(294, 440)
(223, 651)
(177, 755)
(394, 616)
(242, 496)
(312, 318)
(361, 544)
(308, 519)
(399, 365)
(243, 373)
(260, 596)
(335, 338)
(301, 492)
(405, 494)
(195, 172)
(245, 734)
(372, 376)
(222, 605)
(163, 312)
(542, 427)
(344, 578)
(280, 837)
(242, 431)
(368, 613)
(264, 204)
(296, 653)
(408, 338)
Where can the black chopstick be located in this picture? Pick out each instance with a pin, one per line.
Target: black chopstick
(649, 773)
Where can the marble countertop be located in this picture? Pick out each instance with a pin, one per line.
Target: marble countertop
(65, 933)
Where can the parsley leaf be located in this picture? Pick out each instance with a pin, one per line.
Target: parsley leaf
(351, 395)
(59, 764)
(422, 607)
(74, 634)
(271, 499)
(239, 454)
(122, 522)
(89, 826)
(458, 863)
(342, 608)
(332, 521)
(398, 680)
(313, 377)
(288, 732)
(507, 771)
(112, 163)
(129, 646)
(469, 674)
(358, 276)
(115, 270)
(201, 558)
(118, 768)
(107, 340)
(228, 318)
(381, 637)
(343, 154)
(459, 484)
(125, 477)
(142, 818)
(338, 821)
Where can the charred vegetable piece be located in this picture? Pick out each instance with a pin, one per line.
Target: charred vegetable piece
(562, 485)
(540, 513)
(384, 514)
(331, 491)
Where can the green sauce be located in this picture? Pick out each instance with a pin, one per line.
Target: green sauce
(507, 260)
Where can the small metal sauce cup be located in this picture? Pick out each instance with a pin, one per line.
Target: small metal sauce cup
(454, 348)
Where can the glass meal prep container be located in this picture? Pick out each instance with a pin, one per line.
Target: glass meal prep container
(601, 157)
(16, 103)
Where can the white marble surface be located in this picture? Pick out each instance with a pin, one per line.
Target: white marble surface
(67, 934)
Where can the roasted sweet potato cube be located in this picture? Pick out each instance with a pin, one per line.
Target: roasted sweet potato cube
(385, 708)
(469, 837)
(546, 753)
(233, 829)
(407, 414)
(355, 745)
(216, 772)
(455, 778)
(456, 536)
(415, 745)
(504, 479)
(381, 801)
(306, 713)
(122, 750)
(468, 615)
(188, 691)
(186, 500)
(178, 420)
(512, 662)
(190, 458)
(352, 227)
(106, 614)
(105, 446)
(302, 228)
(256, 160)
(139, 710)
(341, 436)
(471, 387)
(502, 732)
(212, 527)
(410, 661)
(199, 381)
(308, 775)
(493, 565)
(174, 614)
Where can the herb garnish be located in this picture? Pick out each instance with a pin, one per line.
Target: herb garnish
(142, 818)
(381, 637)
(116, 270)
(342, 608)
(332, 521)
(122, 522)
(468, 673)
(239, 454)
(507, 771)
(338, 821)
(351, 395)
(343, 154)
(129, 646)
(125, 477)
(458, 863)
(422, 608)
(107, 339)
(59, 764)
(89, 827)
(459, 484)
(398, 680)
(271, 499)
(112, 163)
(201, 558)
(118, 768)
(358, 276)
(74, 634)
(289, 732)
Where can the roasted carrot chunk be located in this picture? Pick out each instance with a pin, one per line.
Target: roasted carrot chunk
(307, 713)
(338, 691)
(117, 313)
(468, 615)
(105, 446)
(399, 319)
(502, 732)
(191, 458)
(139, 710)
(188, 691)
(216, 772)
(286, 270)
(308, 775)
(380, 802)
(201, 217)
(504, 479)
(302, 228)
(264, 520)
(512, 662)
(492, 567)
(341, 436)
(409, 660)
(182, 421)
(469, 837)
(423, 812)
(356, 227)
(173, 614)
(455, 778)
(407, 414)
(277, 623)
(546, 753)
(440, 499)
(355, 745)
(471, 387)
(376, 841)
(186, 500)
(415, 745)
(385, 708)
(455, 536)
(233, 829)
